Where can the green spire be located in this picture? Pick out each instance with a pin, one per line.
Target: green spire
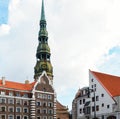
(43, 51)
(42, 11)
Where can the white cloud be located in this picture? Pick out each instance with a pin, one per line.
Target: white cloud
(4, 29)
(80, 33)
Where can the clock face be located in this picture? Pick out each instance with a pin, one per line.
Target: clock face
(44, 66)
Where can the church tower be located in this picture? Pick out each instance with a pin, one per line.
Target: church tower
(43, 50)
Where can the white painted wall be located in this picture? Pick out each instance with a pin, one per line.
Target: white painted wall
(107, 99)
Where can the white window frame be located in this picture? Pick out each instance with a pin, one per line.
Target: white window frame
(24, 109)
(39, 116)
(2, 92)
(18, 115)
(10, 117)
(39, 95)
(1, 108)
(1, 100)
(50, 103)
(50, 111)
(18, 101)
(10, 93)
(2, 115)
(50, 117)
(44, 117)
(18, 111)
(9, 101)
(49, 97)
(9, 109)
(25, 101)
(25, 116)
(39, 103)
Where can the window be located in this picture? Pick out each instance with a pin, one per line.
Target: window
(17, 117)
(102, 116)
(10, 93)
(87, 110)
(17, 94)
(10, 117)
(25, 95)
(83, 101)
(49, 97)
(102, 95)
(44, 96)
(38, 111)
(94, 85)
(44, 104)
(97, 108)
(50, 111)
(39, 95)
(2, 100)
(11, 109)
(10, 101)
(80, 102)
(18, 109)
(80, 111)
(83, 110)
(50, 118)
(25, 110)
(93, 99)
(2, 108)
(92, 80)
(97, 98)
(44, 111)
(93, 108)
(25, 102)
(44, 117)
(38, 103)
(2, 92)
(25, 117)
(102, 104)
(18, 102)
(2, 117)
(108, 106)
(91, 86)
(50, 104)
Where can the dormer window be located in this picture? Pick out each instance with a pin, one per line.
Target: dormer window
(25, 95)
(10, 93)
(17, 94)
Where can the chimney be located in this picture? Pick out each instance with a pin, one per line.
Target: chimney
(3, 80)
(26, 81)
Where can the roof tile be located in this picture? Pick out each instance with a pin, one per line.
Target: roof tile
(109, 82)
(17, 86)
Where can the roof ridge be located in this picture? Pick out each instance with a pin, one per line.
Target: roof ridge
(16, 82)
(105, 73)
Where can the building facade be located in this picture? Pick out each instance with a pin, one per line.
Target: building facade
(61, 111)
(102, 100)
(35, 100)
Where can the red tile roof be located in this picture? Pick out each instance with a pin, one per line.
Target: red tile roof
(16, 85)
(109, 82)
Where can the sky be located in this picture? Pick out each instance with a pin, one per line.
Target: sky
(83, 35)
